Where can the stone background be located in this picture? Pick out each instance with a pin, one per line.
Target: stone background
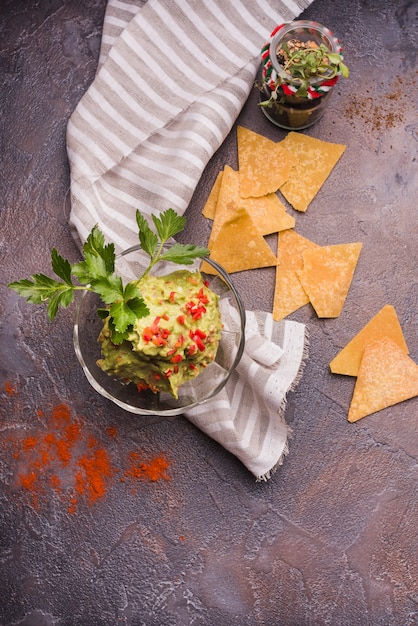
(331, 539)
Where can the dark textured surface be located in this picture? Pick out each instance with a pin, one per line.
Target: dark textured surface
(332, 538)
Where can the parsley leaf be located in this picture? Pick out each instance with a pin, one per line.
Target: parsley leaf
(59, 299)
(184, 253)
(125, 313)
(117, 338)
(99, 258)
(96, 273)
(61, 267)
(147, 238)
(95, 246)
(168, 224)
(109, 288)
(37, 290)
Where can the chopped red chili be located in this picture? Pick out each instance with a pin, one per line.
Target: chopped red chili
(195, 310)
(197, 335)
(198, 332)
(198, 314)
(200, 344)
(202, 297)
(156, 333)
(147, 334)
(179, 342)
(155, 325)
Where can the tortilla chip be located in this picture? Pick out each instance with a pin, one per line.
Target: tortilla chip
(327, 274)
(264, 165)
(315, 160)
(289, 294)
(239, 246)
(384, 324)
(226, 206)
(268, 213)
(386, 377)
(210, 206)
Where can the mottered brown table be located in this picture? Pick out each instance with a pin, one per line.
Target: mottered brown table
(331, 539)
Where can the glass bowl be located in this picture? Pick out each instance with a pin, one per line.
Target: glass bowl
(130, 264)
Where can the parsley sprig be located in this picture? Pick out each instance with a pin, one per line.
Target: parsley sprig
(96, 273)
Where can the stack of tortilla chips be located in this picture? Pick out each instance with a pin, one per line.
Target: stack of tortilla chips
(378, 357)
(307, 272)
(245, 207)
(243, 204)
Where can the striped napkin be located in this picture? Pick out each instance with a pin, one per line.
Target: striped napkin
(172, 78)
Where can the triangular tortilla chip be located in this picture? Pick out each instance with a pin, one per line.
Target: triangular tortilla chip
(210, 206)
(384, 324)
(239, 246)
(289, 294)
(264, 165)
(386, 377)
(226, 206)
(315, 160)
(327, 274)
(268, 213)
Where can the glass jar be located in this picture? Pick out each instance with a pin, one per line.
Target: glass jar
(279, 99)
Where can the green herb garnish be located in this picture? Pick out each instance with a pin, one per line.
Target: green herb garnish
(96, 273)
(305, 63)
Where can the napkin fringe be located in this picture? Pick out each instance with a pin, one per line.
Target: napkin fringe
(267, 475)
(304, 360)
(282, 409)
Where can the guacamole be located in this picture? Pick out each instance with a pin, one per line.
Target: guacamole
(174, 342)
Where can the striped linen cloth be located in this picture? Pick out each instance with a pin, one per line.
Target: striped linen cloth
(171, 80)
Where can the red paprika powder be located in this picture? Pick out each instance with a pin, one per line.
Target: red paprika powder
(66, 460)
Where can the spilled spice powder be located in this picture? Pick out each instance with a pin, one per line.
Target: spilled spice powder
(156, 469)
(380, 111)
(93, 476)
(112, 432)
(65, 459)
(10, 389)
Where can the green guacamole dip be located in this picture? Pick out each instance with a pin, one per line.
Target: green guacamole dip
(174, 342)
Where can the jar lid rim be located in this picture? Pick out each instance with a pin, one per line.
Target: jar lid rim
(309, 27)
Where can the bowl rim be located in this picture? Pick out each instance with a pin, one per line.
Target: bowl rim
(175, 410)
